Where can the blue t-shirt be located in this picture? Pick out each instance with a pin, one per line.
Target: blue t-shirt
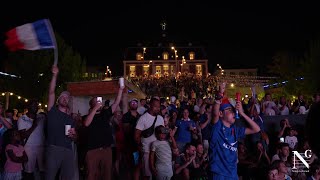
(184, 133)
(207, 129)
(223, 149)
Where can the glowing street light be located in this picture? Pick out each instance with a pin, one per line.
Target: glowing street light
(144, 52)
(108, 72)
(176, 59)
(221, 70)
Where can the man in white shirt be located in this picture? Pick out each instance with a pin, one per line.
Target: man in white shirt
(147, 120)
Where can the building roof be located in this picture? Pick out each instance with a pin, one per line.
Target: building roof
(155, 53)
(159, 44)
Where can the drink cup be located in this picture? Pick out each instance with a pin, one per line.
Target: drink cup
(67, 128)
(121, 82)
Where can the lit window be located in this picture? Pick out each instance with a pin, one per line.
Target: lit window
(146, 70)
(132, 71)
(165, 55)
(158, 69)
(199, 70)
(191, 55)
(165, 70)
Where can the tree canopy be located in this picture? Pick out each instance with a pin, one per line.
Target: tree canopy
(299, 73)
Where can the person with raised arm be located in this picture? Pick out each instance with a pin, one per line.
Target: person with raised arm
(59, 151)
(223, 141)
(100, 139)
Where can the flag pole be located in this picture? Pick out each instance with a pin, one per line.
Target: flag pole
(53, 41)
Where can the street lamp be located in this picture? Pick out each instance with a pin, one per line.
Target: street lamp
(108, 72)
(176, 59)
(221, 70)
(144, 51)
(182, 63)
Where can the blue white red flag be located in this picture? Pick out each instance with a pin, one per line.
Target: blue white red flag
(32, 36)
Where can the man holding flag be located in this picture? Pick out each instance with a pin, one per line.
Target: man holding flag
(35, 36)
(59, 140)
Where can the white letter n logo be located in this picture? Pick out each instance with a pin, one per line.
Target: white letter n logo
(298, 155)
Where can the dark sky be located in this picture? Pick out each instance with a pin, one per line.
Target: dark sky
(234, 35)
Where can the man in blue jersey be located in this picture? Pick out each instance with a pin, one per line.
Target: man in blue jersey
(224, 138)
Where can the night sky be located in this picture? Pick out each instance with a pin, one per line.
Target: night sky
(235, 36)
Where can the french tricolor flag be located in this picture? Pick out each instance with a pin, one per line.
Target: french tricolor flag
(31, 36)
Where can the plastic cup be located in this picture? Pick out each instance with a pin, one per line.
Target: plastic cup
(67, 128)
(121, 82)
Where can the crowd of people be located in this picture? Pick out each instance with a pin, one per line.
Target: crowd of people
(197, 138)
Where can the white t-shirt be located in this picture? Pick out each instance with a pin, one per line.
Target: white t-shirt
(163, 154)
(36, 138)
(291, 140)
(269, 111)
(285, 111)
(144, 122)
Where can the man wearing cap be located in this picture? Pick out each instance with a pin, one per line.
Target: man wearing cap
(142, 109)
(129, 121)
(100, 139)
(224, 137)
(59, 151)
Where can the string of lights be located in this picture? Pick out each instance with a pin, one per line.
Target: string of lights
(19, 97)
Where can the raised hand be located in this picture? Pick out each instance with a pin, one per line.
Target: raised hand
(55, 70)
(239, 107)
(222, 87)
(72, 133)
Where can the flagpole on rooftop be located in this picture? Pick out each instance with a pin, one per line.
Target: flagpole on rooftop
(54, 42)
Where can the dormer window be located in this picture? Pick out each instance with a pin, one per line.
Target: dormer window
(165, 56)
(139, 56)
(191, 55)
